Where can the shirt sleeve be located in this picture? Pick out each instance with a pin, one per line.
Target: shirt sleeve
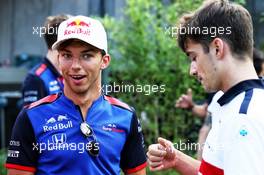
(245, 153)
(133, 157)
(22, 150)
(33, 89)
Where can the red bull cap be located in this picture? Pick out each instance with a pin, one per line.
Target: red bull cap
(83, 28)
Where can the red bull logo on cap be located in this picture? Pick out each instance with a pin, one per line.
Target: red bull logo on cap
(77, 27)
(78, 23)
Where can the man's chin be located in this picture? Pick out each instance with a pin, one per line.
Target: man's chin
(79, 91)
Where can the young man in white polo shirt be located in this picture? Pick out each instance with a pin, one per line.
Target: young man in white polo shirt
(222, 61)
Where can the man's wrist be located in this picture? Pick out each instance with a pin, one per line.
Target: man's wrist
(176, 159)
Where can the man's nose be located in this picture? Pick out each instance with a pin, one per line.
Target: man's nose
(193, 69)
(76, 63)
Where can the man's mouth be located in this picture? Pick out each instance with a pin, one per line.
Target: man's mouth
(77, 77)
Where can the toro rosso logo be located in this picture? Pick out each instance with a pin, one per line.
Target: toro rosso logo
(112, 128)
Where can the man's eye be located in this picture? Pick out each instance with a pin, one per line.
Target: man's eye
(86, 56)
(191, 58)
(66, 56)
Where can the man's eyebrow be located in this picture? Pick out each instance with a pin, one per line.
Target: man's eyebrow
(65, 50)
(189, 53)
(84, 51)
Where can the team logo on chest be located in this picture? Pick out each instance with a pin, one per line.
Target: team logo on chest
(59, 138)
(57, 122)
(112, 128)
(243, 131)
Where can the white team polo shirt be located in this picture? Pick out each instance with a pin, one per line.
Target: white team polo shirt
(235, 144)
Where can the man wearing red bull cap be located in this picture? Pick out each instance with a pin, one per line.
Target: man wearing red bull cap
(79, 131)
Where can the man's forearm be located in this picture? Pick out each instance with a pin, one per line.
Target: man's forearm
(200, 110)
(186, 165)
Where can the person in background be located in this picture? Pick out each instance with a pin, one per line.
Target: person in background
(258, 60)
(201, 110)
(45, 78)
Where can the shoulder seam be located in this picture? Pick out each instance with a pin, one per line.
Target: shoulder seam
(45, 100)
(115, 102)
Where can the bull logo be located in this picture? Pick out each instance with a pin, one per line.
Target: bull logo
(62, 117)
(51, 120)
(78, 23)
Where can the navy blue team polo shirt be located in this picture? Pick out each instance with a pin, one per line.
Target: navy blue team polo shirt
(56, 120)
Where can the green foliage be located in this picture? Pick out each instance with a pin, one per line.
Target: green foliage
(242, 2)
(2, 162)
(145, 53)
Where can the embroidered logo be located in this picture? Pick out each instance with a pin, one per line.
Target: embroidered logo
(57, 122)
(112, 128)
(59, 138)
(243, 131)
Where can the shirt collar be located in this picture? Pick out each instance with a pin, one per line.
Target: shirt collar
(71, 103)
(242, 86)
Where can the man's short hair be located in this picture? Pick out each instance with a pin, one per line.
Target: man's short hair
(234, 19)
(51, 28)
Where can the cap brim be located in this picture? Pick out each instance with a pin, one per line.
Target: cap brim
(58, 43)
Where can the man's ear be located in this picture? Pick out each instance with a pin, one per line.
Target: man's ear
(218, 47)
(105, 61)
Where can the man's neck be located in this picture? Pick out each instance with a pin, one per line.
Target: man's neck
(237, 72)
(84, 100)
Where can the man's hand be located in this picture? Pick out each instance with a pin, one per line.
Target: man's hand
(162, 155)
(185, 101)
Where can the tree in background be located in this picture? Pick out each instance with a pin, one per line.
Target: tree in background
(145, 54)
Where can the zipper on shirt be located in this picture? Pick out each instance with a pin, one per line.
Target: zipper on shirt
(80, 112)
